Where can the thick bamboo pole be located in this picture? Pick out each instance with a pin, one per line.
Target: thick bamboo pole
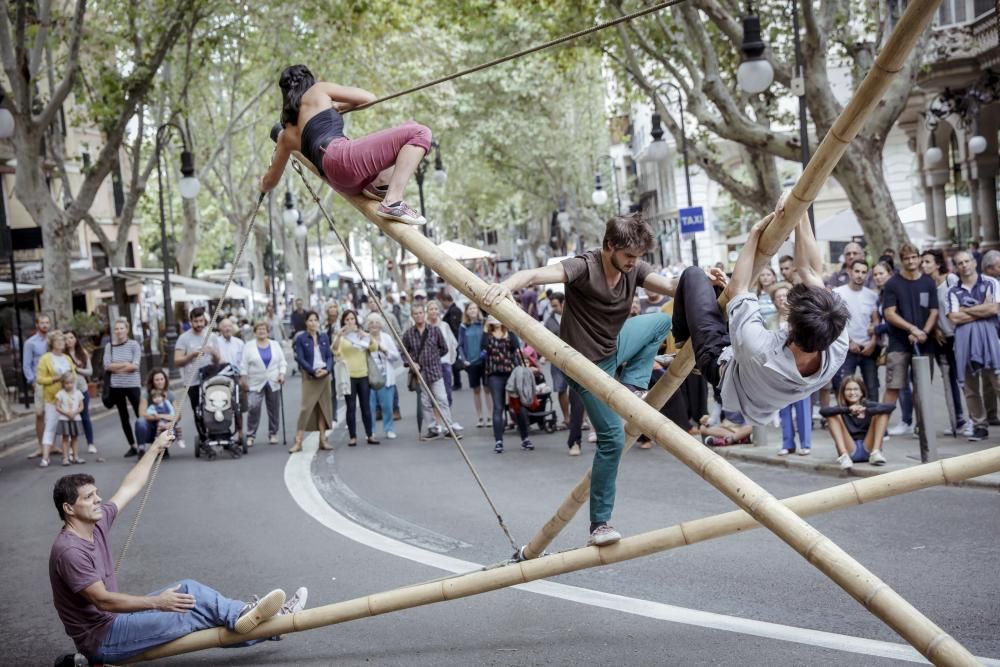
(817, 171)
(947, 471)
(826, 556)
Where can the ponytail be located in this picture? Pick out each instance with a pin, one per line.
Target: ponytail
(294, 82)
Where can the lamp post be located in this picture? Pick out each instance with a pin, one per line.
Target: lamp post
(657, 133)
(599, 196)
(440, 177)
(755, 75)
(188, 186)
(270, 243)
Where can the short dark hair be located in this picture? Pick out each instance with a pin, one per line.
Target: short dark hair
(196, 313)
(908, 249)
(557, 296)
(816, 317)
(860, 261)
(786, 258)
(938, 256)
(447, 297)
(628, 231)
(67, 490)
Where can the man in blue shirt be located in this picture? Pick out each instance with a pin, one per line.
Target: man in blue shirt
(34, 348)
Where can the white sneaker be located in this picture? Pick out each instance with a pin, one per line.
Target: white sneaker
(968, 429)
(715, 415)
(455, 426)
(603, 535)
(785, 452)
(259, 610)
(902, 428)
(574, 450)
(180, 443)
(390, 435)
(845, 462)
(91, 449)
(877, 458)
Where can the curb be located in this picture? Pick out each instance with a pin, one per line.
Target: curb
(801, 463)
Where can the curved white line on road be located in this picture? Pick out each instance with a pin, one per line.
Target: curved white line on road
(299, 481)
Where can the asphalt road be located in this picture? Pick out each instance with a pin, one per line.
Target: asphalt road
(745, 599)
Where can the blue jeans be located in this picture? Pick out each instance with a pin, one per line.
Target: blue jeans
(382, 399)
(801, 422)
(88, 426)
(637, 343)
(498, 390)
(135, 632)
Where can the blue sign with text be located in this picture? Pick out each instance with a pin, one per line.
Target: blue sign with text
(692, 220)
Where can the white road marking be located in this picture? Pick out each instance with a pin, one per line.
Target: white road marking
(299, 481)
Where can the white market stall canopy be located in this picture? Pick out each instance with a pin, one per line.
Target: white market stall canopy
(195, 289)
(7, 288)
(458, 251)
(844, 226)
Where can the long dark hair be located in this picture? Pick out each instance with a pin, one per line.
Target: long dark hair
(294, 83)
(79, 354)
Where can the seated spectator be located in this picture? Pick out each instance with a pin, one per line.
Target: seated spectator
(732, 430)
(857, 425)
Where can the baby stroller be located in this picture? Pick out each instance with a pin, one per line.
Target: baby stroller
(218, 412)
(540, 411)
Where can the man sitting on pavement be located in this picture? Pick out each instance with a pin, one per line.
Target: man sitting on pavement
(600, 285)
(109, 626)
(761, 371)
(972, 307)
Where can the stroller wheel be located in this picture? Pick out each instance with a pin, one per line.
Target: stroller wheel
(243, 446)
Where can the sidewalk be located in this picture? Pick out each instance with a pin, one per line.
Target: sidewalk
(19, 432)
(901, 451)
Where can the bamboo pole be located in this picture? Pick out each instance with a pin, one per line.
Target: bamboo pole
(947, 471)
(826, 556)
(887, 64)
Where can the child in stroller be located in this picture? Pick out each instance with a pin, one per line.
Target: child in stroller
(217, 415)
(540, 411)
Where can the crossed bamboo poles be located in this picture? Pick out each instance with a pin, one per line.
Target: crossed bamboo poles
(758, 505)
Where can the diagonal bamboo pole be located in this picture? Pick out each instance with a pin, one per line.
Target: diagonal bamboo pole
(946, 471)
(826, 556)
(817, 171)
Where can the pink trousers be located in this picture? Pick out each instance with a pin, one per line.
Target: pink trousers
(351, 164)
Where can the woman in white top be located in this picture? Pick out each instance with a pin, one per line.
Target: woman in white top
(388, 359)
(262, 374)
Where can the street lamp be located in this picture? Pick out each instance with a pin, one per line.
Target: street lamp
(440, 176)
(290, 215)
(684, 153)
(755, 74)
(600, 196)
(188, 187)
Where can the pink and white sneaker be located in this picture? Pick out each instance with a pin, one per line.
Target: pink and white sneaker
(401, 212)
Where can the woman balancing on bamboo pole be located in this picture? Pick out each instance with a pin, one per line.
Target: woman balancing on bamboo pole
(377, 166)
(600, 285)
(759, 371)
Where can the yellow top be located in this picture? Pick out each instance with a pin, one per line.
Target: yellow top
(355, 358)
(47, 376)
(669, 346)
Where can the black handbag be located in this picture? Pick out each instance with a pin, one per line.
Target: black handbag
(106, 385)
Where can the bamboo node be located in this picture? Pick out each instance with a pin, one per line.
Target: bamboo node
(820, 538)
(941, 637)
(875, 591)
(857, 494)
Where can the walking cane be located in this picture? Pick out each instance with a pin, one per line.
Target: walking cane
(284, 433)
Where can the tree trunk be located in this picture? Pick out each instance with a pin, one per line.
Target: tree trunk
(859, 172)
(188, 240)
(59, 242)
(120, 294)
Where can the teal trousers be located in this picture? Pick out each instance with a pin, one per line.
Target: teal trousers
(632, 364)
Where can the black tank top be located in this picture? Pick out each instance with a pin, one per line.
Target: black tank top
(321, 129)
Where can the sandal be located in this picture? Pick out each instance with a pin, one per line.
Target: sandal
(297, 447)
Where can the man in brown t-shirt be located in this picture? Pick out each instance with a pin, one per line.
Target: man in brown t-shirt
(600, 285)
(108, 626)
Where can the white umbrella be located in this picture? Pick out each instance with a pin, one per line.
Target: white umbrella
(22, 288)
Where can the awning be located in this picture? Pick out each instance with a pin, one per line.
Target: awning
(22, 288)
(457, 251)
(194, 289)
(844, 226)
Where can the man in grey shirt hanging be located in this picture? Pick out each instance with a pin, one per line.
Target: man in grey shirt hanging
(759, 371)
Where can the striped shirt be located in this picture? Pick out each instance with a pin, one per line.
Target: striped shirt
(128, 352)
